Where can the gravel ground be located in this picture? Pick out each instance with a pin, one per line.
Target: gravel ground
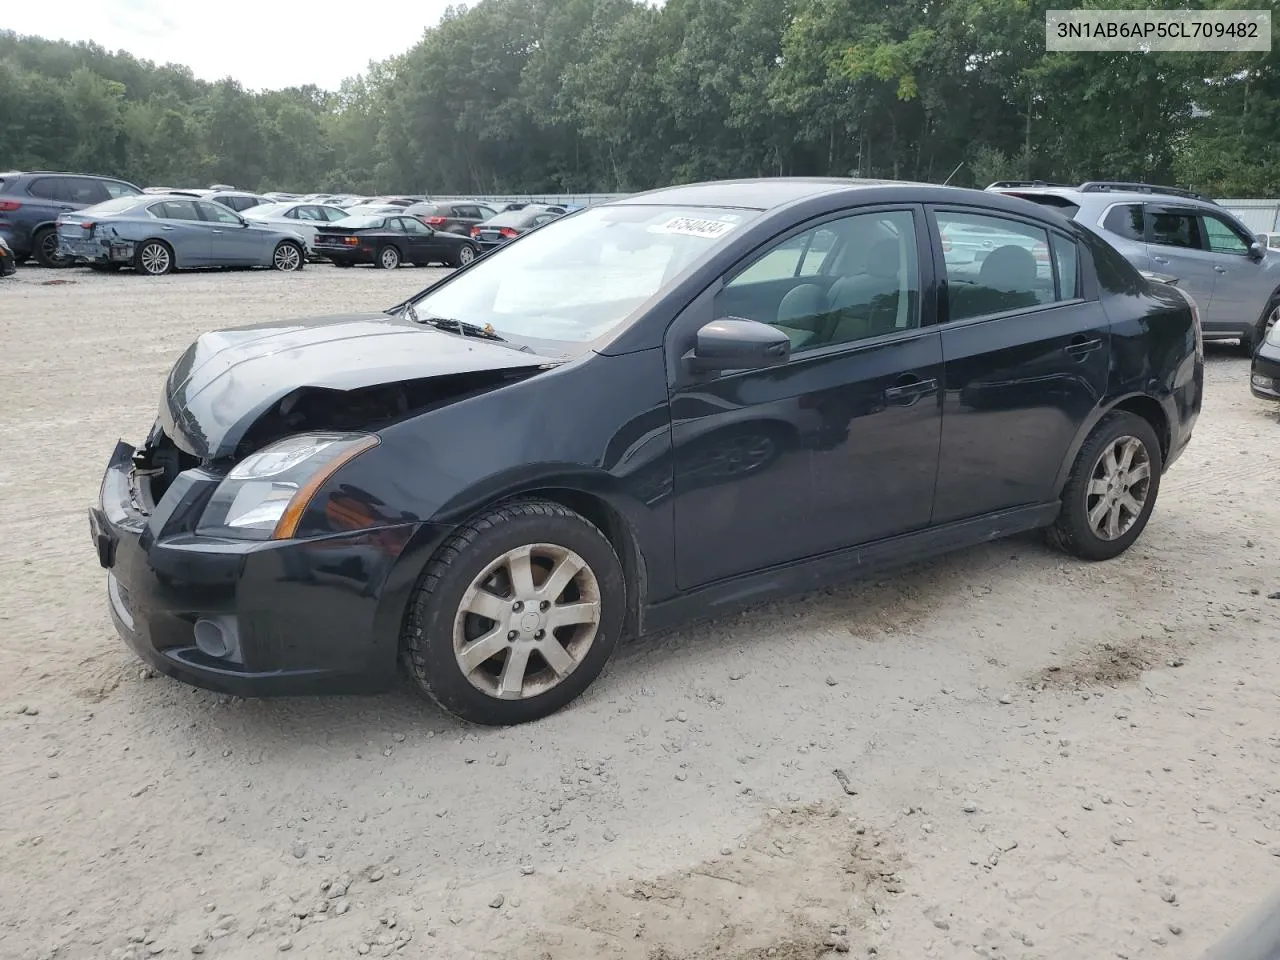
(1037, 757)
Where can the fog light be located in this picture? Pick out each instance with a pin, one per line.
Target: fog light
(1265, 383)
(218, 637)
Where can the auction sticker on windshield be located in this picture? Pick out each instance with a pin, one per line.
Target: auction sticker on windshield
(706, 228)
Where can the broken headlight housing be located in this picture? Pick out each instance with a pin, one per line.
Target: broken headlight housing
(266, 493)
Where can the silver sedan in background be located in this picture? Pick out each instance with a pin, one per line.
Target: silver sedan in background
(297, 217)
(158, 234)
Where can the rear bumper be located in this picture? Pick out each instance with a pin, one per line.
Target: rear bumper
(1264, 374)
(252, 618)
(95, 249)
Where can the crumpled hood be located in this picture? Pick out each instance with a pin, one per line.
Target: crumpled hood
(228, 378)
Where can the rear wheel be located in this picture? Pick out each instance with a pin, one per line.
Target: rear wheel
(516, 614)
(154, 258)
(45, 248)
(388, 258)
(287, 257)
(1112, 489)
(466, 253)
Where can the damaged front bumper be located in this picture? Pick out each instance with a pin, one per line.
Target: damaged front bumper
(250, 618)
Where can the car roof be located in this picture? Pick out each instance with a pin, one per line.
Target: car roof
(757, 194)
(1102, 192)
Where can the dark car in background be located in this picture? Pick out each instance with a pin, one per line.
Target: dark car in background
(507, 226)
(30, 204)
(389, 241)
(656, 409)
(454, 216)
(1264, 375)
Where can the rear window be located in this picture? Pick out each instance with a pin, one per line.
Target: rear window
(513, 218)
(360, 223)
(1061, 204)
(1125, 221)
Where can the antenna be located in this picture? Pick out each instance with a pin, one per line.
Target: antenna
(953, 173)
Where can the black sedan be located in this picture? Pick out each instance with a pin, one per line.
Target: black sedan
(496, 231)
(656, 409)
(1264, 376)
(388, 241)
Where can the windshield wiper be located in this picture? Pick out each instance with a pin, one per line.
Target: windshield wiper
(460, 327)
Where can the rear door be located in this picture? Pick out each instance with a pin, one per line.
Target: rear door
(1026, 360)
(81, 192)
(1176, 245)
(182, 227)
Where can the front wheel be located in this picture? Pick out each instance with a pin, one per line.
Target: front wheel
(1270, 317)
(516, 614)
(287, 257)
(1112, 489)
(388, 258)
(466, 254)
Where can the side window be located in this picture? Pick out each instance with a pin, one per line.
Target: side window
(333, 213)
(1222, 238)
(410, 225)
(115, 189)
(486, 213)
(1067, 255)
(312, 214)
(1176, 230)
(993, 264)
(82, 190)
(216, 212)
(46, 188)
(876, 291)
(294, 213)
(1125, 221)
(800, 256)
(176, 210)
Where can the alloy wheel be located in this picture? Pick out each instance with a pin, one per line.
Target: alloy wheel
(287, 257)
(155, 259)
(527, 621)
(465, 256)
(1118, 488)
(49, 250)
(390, 258)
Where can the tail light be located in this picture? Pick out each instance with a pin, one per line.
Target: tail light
(351, 241)
(475, 231)
(8, 206)
(435, 221)
(508, 233)
(87, 225)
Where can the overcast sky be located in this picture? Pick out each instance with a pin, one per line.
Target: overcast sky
(261, 43)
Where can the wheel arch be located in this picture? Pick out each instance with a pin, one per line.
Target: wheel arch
(1143, 405)
(178, 259)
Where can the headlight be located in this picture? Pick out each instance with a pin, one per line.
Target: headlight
(265, 494)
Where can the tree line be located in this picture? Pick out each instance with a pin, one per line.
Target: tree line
(619, 95)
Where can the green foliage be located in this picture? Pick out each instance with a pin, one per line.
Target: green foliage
(579, 95)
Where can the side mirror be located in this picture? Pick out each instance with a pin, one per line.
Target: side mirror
(736, 344)
(1257, 251)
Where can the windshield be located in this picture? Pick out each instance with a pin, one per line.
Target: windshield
(578, 278)
(359, 223)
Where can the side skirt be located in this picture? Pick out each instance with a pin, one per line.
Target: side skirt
(815, 573)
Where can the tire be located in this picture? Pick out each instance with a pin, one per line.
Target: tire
(475, 562)
(1270, 316)
(153, 258)
(1073, 532)
(388, 258)
(44, 248)
(466, 254)
(288, 257)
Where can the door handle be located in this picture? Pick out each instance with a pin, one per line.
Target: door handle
(167, 229)
(217, 231)
(1219, 269)
(1081, 347)
(907, 391)
(1160, 259)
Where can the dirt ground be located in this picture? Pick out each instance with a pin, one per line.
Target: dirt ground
(1038, 758)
